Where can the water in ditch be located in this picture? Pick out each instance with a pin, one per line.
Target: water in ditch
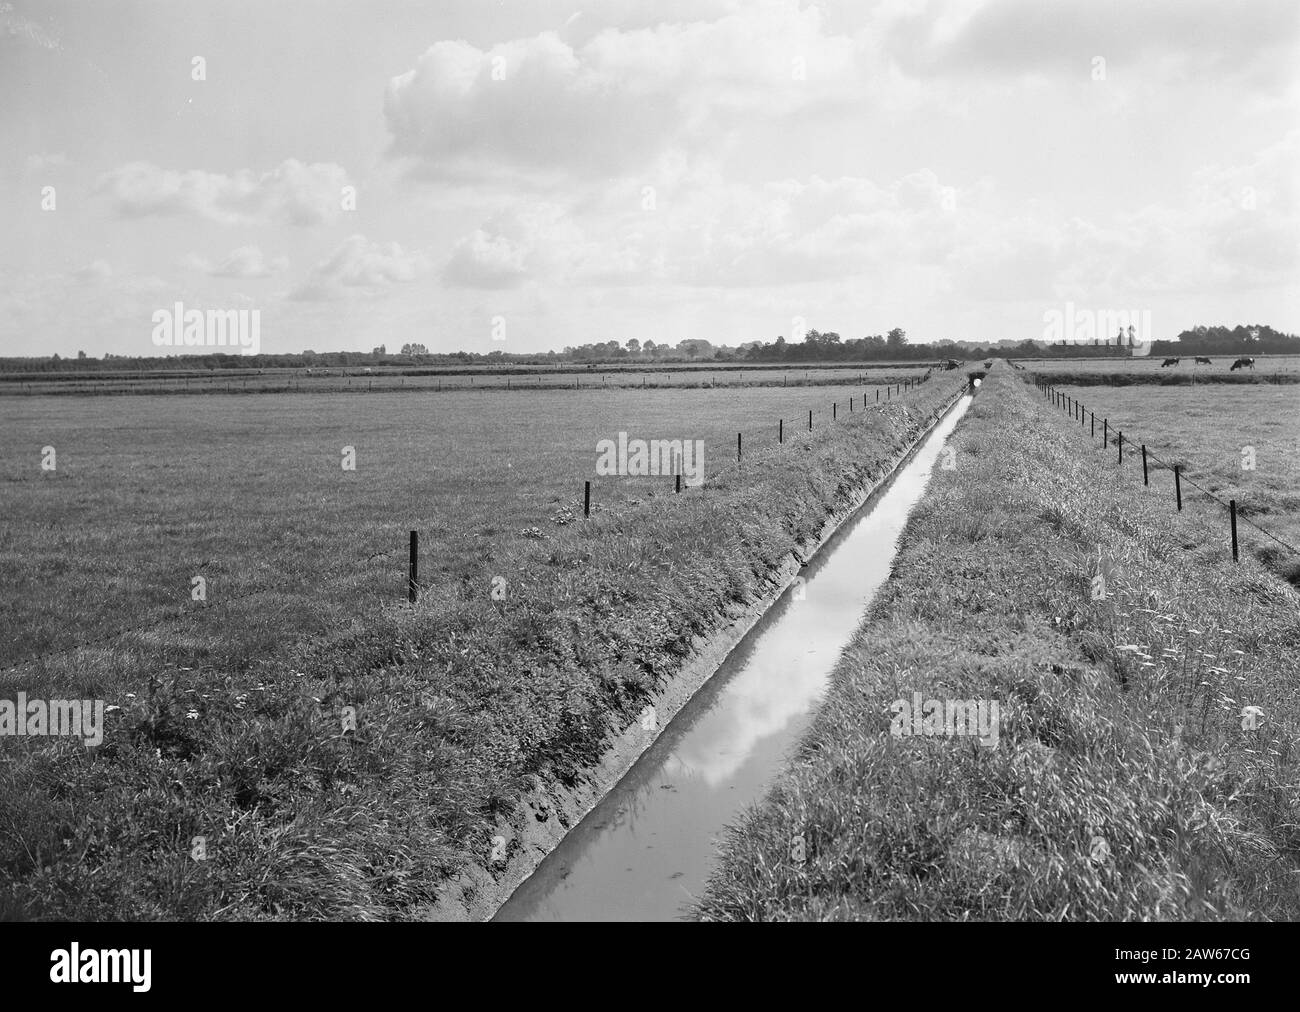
(646, 849)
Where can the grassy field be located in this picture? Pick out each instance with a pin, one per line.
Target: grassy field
(228, 722)
(252, 495)
(1209, 432)
(1123, 785)
(1150, 369)
(384, 379)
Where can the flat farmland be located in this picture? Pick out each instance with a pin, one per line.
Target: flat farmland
(385, 378)
(1150, 369)
(251, 494)
(343, 754)
(1211, 431)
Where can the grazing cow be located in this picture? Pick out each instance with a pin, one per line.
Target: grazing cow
(1168, 361)
(1202, 360)
(1243, 361)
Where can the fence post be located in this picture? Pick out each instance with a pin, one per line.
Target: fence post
(1105, 432)
(679, 481)
(1232, 510)
(1144, 465)
(1178, 486)
(835, 410)
(877, 395)
(780, 431)
(586, 501)
(1121, 446)
(737, 447)
(810, 419)
(414, 568)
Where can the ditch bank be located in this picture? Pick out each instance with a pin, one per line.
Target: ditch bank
(551, 809)
(1144, 764)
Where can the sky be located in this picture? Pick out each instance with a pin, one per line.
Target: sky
(531, 174)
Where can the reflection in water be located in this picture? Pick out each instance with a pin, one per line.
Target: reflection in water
(645, 850)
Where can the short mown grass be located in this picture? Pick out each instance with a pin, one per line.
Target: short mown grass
(1123, 785)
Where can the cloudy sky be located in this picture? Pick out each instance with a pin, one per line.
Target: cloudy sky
(383, 172)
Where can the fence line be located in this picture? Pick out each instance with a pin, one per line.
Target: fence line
(1180, 475)
(183, 612)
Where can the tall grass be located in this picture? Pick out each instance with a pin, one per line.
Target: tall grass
(457, 707)
(1123, 786)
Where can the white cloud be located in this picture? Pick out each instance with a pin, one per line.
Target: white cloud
(96, 270)
(361, 267)
(45, 163)
(244, 262)
(291, 193)
(541, 108)
(1173, 39)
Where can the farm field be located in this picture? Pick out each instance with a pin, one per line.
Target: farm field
(226, 722)
(252, 495)
(383, 379)
(1149, 370)
(1206, 431)
(1124, 785)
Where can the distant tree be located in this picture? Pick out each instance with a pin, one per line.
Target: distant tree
(897, 338)
(379, 351)
(414, 349)
(81, 354)
(633, 345)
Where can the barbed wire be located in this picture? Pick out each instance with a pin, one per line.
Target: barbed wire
(1182, 476)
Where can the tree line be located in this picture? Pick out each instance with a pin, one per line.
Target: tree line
(814, 346)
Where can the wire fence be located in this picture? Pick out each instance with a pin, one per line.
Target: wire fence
(1081, 413)
(787, 429)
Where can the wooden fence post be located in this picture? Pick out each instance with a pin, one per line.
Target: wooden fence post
(414, 569)
(1144, 465)
(780, 431)
(1120, 442)
(1178, 486)
(586, 501)
(1232, 510)
(810, 420)
(737, 447)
